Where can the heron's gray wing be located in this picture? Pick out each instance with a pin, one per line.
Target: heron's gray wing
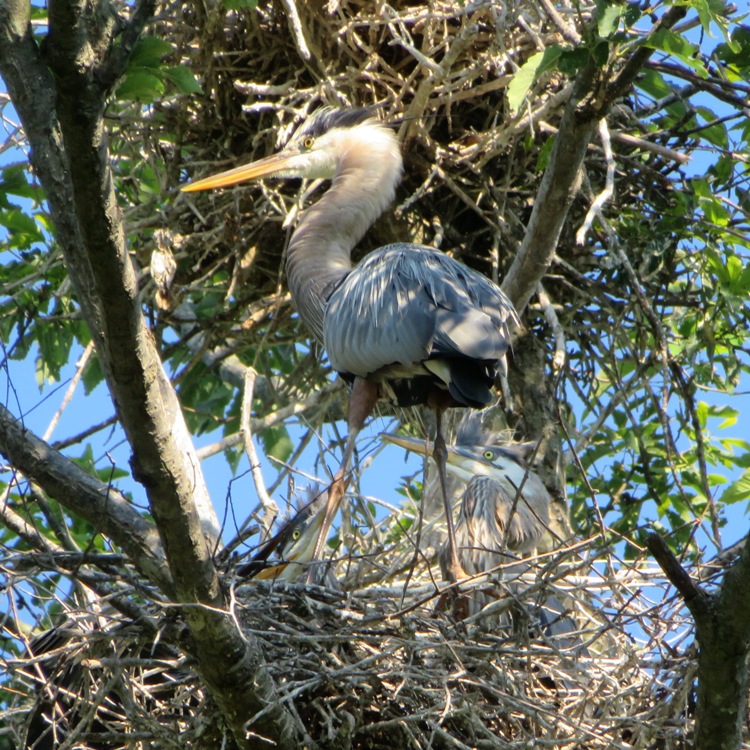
(380, 315)
(473, 316)
(406, 303)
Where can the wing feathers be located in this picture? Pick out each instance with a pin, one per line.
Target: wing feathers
(405, 304)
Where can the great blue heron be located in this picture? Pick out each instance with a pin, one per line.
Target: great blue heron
(294, 544)
(504, 507)
(409, 323)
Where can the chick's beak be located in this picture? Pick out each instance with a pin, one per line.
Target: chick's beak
(461, 462)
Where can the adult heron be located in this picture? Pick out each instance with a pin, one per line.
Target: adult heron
(409, 323)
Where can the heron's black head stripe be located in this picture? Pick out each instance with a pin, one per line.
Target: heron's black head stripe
(326, 118)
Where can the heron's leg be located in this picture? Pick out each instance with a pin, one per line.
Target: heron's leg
(455, 570)
(361, 402)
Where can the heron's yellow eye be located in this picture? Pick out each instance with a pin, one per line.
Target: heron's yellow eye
(489, 455)
(309, 142)
(296, 534)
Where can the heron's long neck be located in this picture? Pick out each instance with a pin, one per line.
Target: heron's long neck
(319, 252)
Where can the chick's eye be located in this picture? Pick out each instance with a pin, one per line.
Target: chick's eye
(309, 142)
(296, 534)
(489, 455)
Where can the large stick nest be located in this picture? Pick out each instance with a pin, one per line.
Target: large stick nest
(383, 666)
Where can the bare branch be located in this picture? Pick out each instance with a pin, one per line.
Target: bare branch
(101, 505)
(80, 365)
(23, 528)
(550, 316)
(270, 509)
(295, 26)
(609, 185)
(694, 597)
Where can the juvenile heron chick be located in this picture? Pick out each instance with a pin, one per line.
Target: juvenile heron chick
(504, 507)
(293, 544)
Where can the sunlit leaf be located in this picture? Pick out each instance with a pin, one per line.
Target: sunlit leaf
(529, 72)
(737, 490)
(184, 79)
(140, 85)
(608, 18)
(277, 443)
(149, 51)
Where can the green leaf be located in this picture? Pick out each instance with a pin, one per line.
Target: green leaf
(277, 443)
(141, 86)
(701, 411)
(14, 182)
(572, 60)
(736, 50)
(653, 84)
(714, 132)
(544, 154)
(22, 228)
(183, 79)
(668, 41)
(608, 18)
(240, 4)
(738, 490)
(730, 420)
(92, 375)
(529, 72)
(149, 52)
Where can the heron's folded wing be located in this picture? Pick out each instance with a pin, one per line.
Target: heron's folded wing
(406, 303)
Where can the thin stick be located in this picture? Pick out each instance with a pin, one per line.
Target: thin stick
(609, 185)
(80, 365)
(270, 509)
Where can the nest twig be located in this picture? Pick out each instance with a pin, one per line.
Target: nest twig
(381, 662)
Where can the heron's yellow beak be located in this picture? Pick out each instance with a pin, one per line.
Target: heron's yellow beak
(413, 445)
(267, 167)
(461, 462)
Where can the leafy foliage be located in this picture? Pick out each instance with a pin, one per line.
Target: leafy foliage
(651, 301)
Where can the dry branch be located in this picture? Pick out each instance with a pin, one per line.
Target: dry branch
(63, 120)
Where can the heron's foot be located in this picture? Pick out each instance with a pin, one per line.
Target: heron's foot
(454, 570)
(361, 403)
(336, 489)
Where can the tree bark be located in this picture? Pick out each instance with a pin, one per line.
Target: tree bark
(722, 629)
(60, 101)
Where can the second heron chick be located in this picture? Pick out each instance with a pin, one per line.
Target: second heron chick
(293, 545)
(504, 508)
